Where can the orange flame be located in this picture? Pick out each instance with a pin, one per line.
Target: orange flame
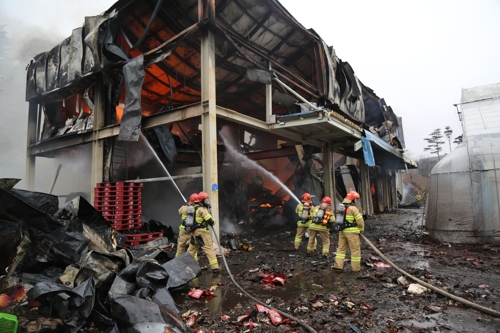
(119, 113)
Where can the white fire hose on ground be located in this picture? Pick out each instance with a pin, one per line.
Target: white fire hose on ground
(309, 328)
(439, 291)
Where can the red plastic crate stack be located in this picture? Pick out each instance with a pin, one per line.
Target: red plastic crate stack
(120, 203)
(138, 239)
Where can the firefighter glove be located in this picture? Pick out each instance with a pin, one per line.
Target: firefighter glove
(211, 222)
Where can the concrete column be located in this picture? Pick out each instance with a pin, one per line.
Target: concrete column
(31, 139)
(97, 145)
(209, 113)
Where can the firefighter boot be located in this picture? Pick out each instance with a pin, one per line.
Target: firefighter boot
(339, 263)
(356, 266)
(310, 253)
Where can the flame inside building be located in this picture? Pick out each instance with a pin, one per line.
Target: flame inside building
(232, 98)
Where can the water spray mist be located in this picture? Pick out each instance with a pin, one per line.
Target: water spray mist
(237, 154)
(161, 163)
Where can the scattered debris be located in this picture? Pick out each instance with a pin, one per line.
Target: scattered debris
(381, 265)
(415, 288)
(197, 293)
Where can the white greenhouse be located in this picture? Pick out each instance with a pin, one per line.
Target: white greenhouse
(463, 203)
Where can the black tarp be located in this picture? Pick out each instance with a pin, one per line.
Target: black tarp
(44, 202)
(167, 143)
(53, 242)
(130, 126)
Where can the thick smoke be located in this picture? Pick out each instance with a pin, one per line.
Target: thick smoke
(14, 57)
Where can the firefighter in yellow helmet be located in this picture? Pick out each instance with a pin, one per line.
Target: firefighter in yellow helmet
(322, 215)
(201, 234)
(303, 211)
(349, 234)
(187, 213)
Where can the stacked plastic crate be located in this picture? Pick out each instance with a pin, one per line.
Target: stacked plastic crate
(120, 203)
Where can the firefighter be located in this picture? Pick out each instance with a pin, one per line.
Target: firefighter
(303, 211)
(185, 231)
(200, 236)
(321, 216)
(204, 201)
(349, 234)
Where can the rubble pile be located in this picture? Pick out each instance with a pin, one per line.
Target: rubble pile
(69, 271)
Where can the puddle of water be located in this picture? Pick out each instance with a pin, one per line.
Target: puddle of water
(462, 319)
(227, 297)
(430, 321)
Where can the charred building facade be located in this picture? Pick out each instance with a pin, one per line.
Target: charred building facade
(232, 97)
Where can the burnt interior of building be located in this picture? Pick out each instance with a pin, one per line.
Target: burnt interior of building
(145, 82)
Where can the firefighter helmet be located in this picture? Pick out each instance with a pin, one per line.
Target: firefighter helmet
(327, 200)
(203, 195)
(351, 195)
(194, 198)
(306, 197)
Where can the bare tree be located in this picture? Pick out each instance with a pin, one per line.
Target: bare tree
(435, 142)
(448, 132)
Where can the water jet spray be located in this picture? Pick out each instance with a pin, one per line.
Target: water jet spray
(232, 150)
(161, 163)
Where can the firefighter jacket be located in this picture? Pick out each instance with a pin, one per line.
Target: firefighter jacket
(183, 213)
(202, 216)
(328, 217)
(352, 215)
(299, 210)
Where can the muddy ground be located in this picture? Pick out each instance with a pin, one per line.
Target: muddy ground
(370, 301)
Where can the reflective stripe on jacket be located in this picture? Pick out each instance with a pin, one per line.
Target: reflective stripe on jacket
(352, 215)
(183, 213)
(202, 215)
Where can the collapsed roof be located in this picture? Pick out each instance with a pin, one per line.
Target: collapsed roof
(256, 41)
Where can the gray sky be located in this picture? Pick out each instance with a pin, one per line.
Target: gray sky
(417, 55)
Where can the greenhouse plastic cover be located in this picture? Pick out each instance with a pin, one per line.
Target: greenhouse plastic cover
(463, 204)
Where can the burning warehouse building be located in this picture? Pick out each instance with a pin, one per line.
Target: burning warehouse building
(232, 97)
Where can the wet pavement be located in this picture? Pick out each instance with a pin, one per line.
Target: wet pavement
(331, 302)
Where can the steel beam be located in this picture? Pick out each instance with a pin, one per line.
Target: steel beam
(345, 127)
(57, 143)
(209, 114)
(299, 137)
(161, 179)
(31, 139)
(240, 118)
(268, 154)
(97, 145)
(179, 114)
(269, 97)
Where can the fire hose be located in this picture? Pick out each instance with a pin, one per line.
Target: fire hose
(427, 285)
(284, 314)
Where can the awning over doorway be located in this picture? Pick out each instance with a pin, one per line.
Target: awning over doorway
(387, 154)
